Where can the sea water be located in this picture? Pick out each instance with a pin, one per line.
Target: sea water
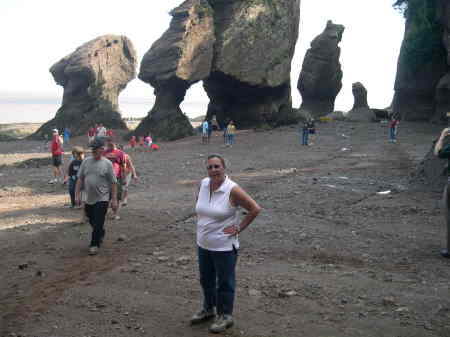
(28, 111)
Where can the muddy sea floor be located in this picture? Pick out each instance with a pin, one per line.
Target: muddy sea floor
(328, 256)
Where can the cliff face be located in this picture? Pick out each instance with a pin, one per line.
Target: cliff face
(92, 77)
(420, 84)
(321, 77)
(242, 50)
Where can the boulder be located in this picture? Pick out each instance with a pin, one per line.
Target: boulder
(336, 116)
(92, 77)
(321, 76)
(180, 58)
(360, 115)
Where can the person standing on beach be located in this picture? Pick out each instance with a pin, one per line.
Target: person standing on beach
(305, 133)
(66, 135)
(442, 150)
(101, 131)
(205, 132)
(91, 135)
(218, 228)
(57, 157)
(210, 130)
(231, 131)
(393, 126)
(97, 176)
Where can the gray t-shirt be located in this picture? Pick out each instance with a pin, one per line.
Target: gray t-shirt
(98, 177)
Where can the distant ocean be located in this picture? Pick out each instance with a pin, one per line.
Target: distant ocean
(39, 111)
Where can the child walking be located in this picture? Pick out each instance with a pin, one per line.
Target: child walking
(72, 172)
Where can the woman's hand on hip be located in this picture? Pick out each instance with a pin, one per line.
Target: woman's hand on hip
(231, 230)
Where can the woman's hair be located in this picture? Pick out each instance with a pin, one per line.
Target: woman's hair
(222, 160)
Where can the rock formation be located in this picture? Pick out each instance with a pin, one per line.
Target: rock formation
(181, 57)
(321, 77)
(242, 50)
(360, 111)
(420, 89)
(250, 76)
(359, 95)
(92, 77)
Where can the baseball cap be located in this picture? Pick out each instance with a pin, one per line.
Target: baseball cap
(96, 143)
(55, 131)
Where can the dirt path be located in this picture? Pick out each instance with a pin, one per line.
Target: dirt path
(327, 257)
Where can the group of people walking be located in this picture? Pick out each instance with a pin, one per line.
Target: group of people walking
(229, 132)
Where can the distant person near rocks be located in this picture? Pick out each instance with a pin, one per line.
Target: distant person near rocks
(97, 176)
(205, 132)
(442, 150)
(132, 142)
(231, 131)
(393, 128)
(218, 228)
(305, 133)
(56, 147)
(66, 135)
(117, 158)
(101, 131)
(91, 135)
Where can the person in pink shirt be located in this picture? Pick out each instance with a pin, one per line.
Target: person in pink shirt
(118, 160)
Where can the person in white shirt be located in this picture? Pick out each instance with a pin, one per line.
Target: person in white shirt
(101, 131)
(218, 227)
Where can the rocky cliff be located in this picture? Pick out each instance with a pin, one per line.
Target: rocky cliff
(321, 77)
(242, 50)
(420, 84)
(92, 77)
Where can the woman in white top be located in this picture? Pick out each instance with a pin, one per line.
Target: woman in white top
(218, 227)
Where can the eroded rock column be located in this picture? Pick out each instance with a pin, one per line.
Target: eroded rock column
(92, 77)
(180, 58)
(321, 77)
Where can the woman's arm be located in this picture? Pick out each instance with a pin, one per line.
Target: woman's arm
(440, 141)
(240, 198)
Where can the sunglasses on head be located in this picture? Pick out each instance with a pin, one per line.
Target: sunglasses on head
(210, 167)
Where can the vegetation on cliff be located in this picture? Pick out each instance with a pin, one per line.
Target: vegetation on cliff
(423, 37)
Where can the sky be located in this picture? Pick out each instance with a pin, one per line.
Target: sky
(37, 34)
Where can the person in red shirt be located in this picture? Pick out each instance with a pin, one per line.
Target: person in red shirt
(57, 155)
(109, 133)
(117, 158)
(393, 127)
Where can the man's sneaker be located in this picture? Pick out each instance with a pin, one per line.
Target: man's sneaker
(53, 181)
(222, 323)
(202, 316)
(93, 250)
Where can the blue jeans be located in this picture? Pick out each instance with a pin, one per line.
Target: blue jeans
(305, 135)
(230, 139)
(217, 278)
(72, 184)
(392, 135)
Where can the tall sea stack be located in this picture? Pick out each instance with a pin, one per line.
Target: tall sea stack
(242, 50)
(92, 77)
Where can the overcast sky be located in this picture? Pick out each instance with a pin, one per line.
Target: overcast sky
(36, 34)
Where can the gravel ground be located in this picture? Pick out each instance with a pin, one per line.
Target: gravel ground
(328, 256)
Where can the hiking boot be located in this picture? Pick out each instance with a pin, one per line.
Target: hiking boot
(202, 316)
(93, 250)
(222, 323)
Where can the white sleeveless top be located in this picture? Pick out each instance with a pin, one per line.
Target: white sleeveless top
(214, 213)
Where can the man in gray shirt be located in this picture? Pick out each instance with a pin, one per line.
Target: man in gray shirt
(97, 176)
